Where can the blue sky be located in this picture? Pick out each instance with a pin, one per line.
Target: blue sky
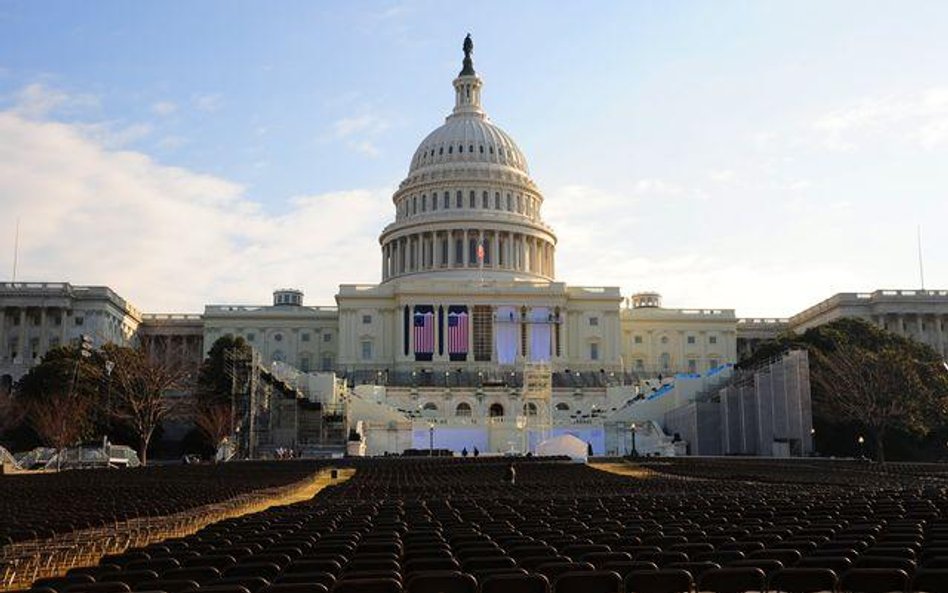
(750, 155)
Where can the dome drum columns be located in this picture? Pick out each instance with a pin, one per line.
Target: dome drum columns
(458, 250)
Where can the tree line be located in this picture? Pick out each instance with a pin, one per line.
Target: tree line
(76, 395)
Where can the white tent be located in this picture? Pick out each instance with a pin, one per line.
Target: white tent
(564, 445)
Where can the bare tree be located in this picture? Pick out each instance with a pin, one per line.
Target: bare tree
(213, 420)
(882, 390)
(58, 418)
(11, 412)
(148, 389)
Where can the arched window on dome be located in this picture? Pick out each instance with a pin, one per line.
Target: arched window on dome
(447, 200)
(459, 251)
(459, 199)
(472, 252)
(509, 203)
(414, 204)
(434, 201)
(440, 150)
(482, 149)
(470, 148)
(491, 148)
(460, 149)
(485, 200)
(497, 200)
(472, 199)
(562, 407)
(519, 205)
(451, 150)
(424, 202)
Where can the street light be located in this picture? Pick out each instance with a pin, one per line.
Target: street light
(862, 446)
(632, 429)
(109, 365)
(431, 439)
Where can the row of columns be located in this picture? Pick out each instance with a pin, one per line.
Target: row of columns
(22, 351)
(934, 333)
(436, 250)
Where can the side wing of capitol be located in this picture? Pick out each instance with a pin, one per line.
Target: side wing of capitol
(470, 342)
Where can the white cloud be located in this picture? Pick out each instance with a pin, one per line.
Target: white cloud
(920, 118)
(38, 100)
(359, 132)
(209, 102)
(167, 238)
(164, 108)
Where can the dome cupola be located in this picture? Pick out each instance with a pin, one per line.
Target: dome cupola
(468, 200)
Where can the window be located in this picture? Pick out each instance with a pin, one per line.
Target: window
(366, 319)
(366, 350)
(529, 409)
(278, 337)
(639, 364)
(447, 200)
(691, 339)
(471, 199)
(485, 200)
(713, 340)
(430, 407)
(692, 365)
(79, 320)
(463, 409)
(327, 337)
(424, 202)
(714, 363)
(666, 361)
(414, 204)
(434, 201)
(638, 339)
(562, 407)
(305, 337)
(594, 321)
(497, 201)
(496, 410)
(304, 363)
(326, 363)
(460, 149)
(594, 351)
(509, 203)
(664, 339)
(278, 356)
(459, 199)
(251, 337)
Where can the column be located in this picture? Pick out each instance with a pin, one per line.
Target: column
(385, 262)
(43, 338)
(450, 239)
(495, 251)
(22, 346)
(436, 245)
(480, 241)
(466, 251)
(3, 337)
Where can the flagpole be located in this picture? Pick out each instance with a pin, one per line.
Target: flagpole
(16, 247)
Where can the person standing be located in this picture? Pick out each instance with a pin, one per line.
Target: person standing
(510, 475)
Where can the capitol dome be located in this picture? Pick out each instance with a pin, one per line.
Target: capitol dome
(468, 201)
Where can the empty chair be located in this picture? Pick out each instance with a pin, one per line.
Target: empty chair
(768, 566)
(577, 551)
(421, 564)
(367, 586)
(624, 567)
(441, 582)
(733, 580)
(534, 561)
(598, 559)
(662, 558)
(314, 565)
(112, 587)
(803, 580)
(61, 583)
(296, 588)
(167, 585)
(266, 570)
(931, 580)
(93, 571)
(885, 562)
(551, 570)
(874, 580)
(373, 564)
(666, 580)
(515, 583)
(129, 577)
(695, 568)
(251, 583)
(787, 557)
(198, 574)
(322, 578)
(595, 581)
(158, 565)
(219, 561)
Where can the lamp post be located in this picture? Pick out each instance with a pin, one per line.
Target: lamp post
(862, 446)
(632, 429)
(109, 365)
(431, 439)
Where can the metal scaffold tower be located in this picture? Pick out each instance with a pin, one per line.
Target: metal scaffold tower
(537, 418)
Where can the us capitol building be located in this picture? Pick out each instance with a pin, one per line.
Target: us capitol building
(469, 329)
